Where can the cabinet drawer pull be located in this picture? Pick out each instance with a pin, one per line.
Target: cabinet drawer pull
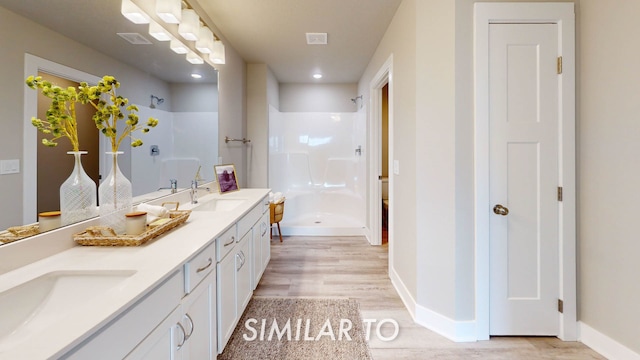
(201, 269)
(239, 265)
(191, 326)
(184, 336)
(264, 224)
(233, 239)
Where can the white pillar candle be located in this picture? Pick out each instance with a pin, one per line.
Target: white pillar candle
(48, 221)
(136, 223)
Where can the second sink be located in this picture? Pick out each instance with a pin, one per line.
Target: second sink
(219, 205)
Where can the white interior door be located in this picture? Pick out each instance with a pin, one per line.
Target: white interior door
(524, 153)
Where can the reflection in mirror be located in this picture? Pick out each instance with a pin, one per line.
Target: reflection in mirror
(152, 77)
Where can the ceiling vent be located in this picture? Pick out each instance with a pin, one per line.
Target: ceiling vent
(135, 38)
(317, 38)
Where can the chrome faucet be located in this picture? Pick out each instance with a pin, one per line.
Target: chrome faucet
(194, 191)
(173, 185)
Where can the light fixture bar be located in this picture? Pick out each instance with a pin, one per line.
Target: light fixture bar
(189, 27)
(133, 13)
(170, 11)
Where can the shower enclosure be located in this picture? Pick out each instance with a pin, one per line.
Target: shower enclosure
(316, 160)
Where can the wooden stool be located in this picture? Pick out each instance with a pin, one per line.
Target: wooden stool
(276, 211)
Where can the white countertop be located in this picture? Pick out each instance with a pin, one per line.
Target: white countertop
(152, 262)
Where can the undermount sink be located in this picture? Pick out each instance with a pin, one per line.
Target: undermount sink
(48, 299)
(219, 205)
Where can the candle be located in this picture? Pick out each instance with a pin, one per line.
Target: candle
(136, 223)
(49, 220)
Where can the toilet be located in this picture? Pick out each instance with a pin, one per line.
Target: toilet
(385, 200)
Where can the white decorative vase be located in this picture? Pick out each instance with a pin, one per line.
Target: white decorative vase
(78, 199)
(115, 195)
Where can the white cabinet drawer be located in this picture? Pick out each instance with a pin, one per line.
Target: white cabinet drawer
(246, 223)
(199, 267)
(225, 242)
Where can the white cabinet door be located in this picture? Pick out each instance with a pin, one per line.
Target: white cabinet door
(226, 298)
(161, 343)
(265, 226)
(243, 275)
(256, 256)
(198, 321)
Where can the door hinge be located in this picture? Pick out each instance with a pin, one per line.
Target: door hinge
(559, 193)
(559, 64)
(560, 306)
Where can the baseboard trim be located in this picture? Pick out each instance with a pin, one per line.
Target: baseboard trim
(403, 292)
(458, 331)
(603, 344)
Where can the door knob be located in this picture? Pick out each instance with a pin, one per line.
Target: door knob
(500, 210)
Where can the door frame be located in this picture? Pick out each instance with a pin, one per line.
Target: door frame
(563, 15)
(383, 77)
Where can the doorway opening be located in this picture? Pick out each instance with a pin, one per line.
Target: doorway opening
(384, 175)
(53, 165)
(381, 92)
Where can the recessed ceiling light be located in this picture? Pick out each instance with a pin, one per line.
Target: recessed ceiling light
(196, 76)
(317, 76)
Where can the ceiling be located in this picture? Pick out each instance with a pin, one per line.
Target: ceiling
(261, 31)
(273, 32)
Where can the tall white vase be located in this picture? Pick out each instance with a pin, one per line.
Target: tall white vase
(78, 199)
(115, 194)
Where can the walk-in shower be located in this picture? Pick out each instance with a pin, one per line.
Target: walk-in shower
(316, 160)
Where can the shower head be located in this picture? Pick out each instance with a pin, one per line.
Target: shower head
(157, 101)
(355, 99)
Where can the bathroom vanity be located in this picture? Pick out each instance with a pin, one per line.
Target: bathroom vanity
(180, 296)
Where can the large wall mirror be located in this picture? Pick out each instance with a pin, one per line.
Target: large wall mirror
(78, 40)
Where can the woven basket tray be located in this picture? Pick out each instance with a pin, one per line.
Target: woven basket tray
(104, 236)
(18, 232)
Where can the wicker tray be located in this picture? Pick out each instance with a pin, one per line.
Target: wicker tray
(105, 236)
(18, 232)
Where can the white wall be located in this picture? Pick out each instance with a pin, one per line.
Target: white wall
(400, 41)
(608, 175)
(232, 77)
(262, 91)
(317, 97)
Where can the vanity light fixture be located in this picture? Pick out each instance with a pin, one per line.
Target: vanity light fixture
(217, 56)
(194, 58)
(170, 11)
(189, 27)
(178, 47)
(196, 76)
(204, 44)
(158, 32)
(132, 12)
(317, 76)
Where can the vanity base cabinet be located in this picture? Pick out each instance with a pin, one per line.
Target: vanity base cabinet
(115, 340)
(188, 332)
